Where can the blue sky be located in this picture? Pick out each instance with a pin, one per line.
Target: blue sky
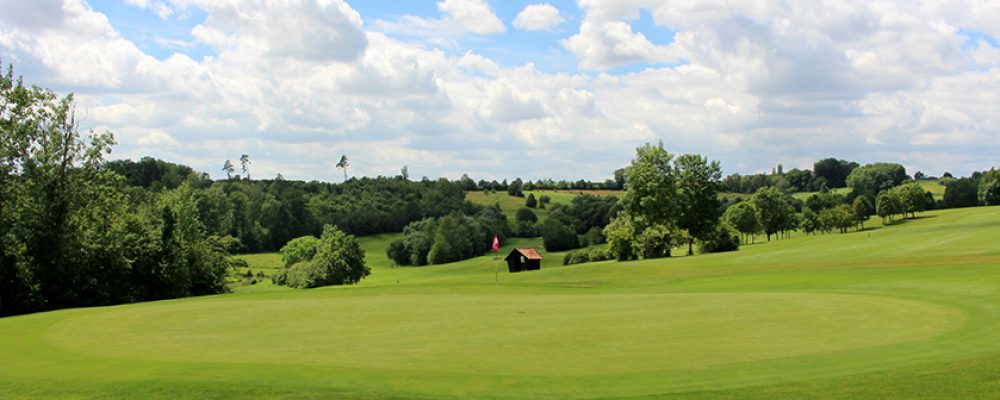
(532, 89)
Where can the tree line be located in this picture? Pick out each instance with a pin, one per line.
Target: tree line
(73, 233)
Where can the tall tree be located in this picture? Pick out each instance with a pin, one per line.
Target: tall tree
(862, 210)
(698, 181)
(775, 210)
(229, 169)
(343, 164)
(245, 163)
(834, 171)
(745, 218)
(989, 188)
(648, 221)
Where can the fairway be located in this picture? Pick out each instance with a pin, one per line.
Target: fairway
(905, 311)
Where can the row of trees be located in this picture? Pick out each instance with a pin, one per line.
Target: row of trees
(72, 233)
(266, 214)
(450, 238)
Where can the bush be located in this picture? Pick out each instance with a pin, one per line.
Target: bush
(298, 250)
(594, 236)
(526, 230)
(557, 236)
(590, 254)
(524, 214)
(338, 259)
(723, 238)
(531, 202)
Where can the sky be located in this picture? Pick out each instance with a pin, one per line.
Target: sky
(505, 89)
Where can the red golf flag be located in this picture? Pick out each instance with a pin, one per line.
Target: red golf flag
(496, 243)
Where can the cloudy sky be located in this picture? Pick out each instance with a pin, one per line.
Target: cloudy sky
(503, 89)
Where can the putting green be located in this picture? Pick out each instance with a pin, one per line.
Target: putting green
(506, 334)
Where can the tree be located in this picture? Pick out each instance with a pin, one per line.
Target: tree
(698, 182)
(339, 260)
(862, 210)
(514, 188)
(962, 192)
(989, 188)
(229, 169)
(298, 250)
(834, 171)
(745, 218)
(557, 236)
(887, 205)
(525, 214)
(874, 178)
(531, 202)
(775, 209)
(649, 209)
(621, 235)
(343, 164)
(245, 163)
(913, 198)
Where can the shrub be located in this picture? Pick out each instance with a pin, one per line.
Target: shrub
(723, 238)
(524, 214)
(338, 259)
(531, 202)
(298, 250)
(557, 236)
(594, 236)
(590, 254)
(526, 230)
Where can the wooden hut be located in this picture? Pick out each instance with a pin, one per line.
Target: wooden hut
(524, 259)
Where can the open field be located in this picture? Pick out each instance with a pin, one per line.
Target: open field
(905, 311)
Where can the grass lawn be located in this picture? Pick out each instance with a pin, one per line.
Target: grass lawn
(904, 311)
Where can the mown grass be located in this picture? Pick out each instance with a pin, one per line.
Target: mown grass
(905, 311)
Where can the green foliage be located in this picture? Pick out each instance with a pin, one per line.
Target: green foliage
(744, 217)
(840, 217)
(298, 250)
(989, 188)
(656, 241)
(913, 196)
(589, 254)
(698, 182)
(338, 259)
(621, 234)
(531, 202)
(594, 236)
(723, 238)
(863, 209)
(558, 236)
(824, 199)
(525, 214)
(526, 229)
(888, 204)
(72, 234)
(775, 209)
(451, 238)
(961, 193)
(834, 171)
(651, 187)
(515, 188)
(874, 178)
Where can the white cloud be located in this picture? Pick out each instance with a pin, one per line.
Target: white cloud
(459, 17)
(292, 82)
(537, 17)
(162, 10)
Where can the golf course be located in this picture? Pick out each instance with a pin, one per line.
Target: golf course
(910, 310)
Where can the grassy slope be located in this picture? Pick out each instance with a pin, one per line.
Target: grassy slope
(908, 311)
